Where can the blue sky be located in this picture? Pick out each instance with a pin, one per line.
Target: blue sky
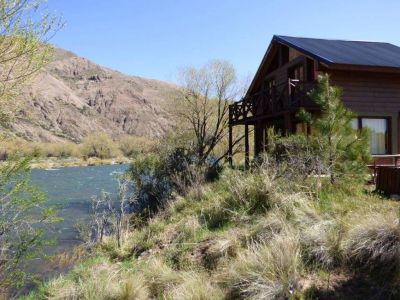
(154, 38)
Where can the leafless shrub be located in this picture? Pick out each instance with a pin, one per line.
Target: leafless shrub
(191, 180)
(111, 217)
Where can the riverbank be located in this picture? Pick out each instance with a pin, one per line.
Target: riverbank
(55, 162)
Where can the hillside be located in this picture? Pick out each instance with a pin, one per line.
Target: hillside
(73, 97)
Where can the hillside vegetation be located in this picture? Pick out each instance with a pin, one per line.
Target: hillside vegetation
(249, 235)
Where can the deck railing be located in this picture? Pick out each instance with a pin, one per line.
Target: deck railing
(290, 95)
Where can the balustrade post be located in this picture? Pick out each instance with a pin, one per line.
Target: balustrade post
(246, 147)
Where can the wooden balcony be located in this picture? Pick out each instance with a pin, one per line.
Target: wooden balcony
(282, 98)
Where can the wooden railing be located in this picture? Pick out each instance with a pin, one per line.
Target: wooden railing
(292, 94)
(386, 173)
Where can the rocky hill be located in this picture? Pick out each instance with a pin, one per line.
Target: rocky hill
(74, 97)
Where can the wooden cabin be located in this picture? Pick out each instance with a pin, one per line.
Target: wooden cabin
(368, 73)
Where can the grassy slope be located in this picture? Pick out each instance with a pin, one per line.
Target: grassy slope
(247, 236)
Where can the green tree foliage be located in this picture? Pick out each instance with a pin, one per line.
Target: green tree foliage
(23, 219)
(344, 151)
(25, 29)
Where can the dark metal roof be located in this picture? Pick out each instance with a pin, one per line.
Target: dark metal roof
(345, 52)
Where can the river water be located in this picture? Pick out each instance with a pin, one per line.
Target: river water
(72, 189)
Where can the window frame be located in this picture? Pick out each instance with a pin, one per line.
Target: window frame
(388, 136)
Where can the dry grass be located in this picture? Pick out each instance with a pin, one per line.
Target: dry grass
(160, 277)
(103, 281)
(252, 192)
(266, 271)
(373, 246)
(196, 286)
(321, 243)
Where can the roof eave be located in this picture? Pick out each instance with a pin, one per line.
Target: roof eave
(260, 66)
(364, 68)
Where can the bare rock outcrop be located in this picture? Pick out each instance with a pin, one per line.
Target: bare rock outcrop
(73, 97)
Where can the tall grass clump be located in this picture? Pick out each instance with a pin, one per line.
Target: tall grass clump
(161, 278)
(321, 244)
(102, 281)
(373, 247)
(196, 286)
(252, 191)
(266, 270)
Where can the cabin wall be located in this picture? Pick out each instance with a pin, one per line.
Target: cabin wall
(372, 94)
(364, 91)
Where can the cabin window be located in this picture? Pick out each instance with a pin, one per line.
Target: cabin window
(379, 133)
(310, 69)
(270, 85)
(297, 73)
(284, 55)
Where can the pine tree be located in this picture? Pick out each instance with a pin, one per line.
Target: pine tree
(344, 150)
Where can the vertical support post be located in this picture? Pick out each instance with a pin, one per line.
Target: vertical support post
(230, 152)
(397, 135)
(287, 124)
(246, 147)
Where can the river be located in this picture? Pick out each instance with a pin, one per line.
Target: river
(71, 189)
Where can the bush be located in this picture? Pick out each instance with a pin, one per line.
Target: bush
(249, 192)
(373, 247)
(157, 175)
(152, 186)
(99, 145)
(24, 218)
(132, 146)
(296, 156)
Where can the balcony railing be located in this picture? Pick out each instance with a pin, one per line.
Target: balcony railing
(288, 96)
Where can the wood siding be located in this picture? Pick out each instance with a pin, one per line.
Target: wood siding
(369, 92)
